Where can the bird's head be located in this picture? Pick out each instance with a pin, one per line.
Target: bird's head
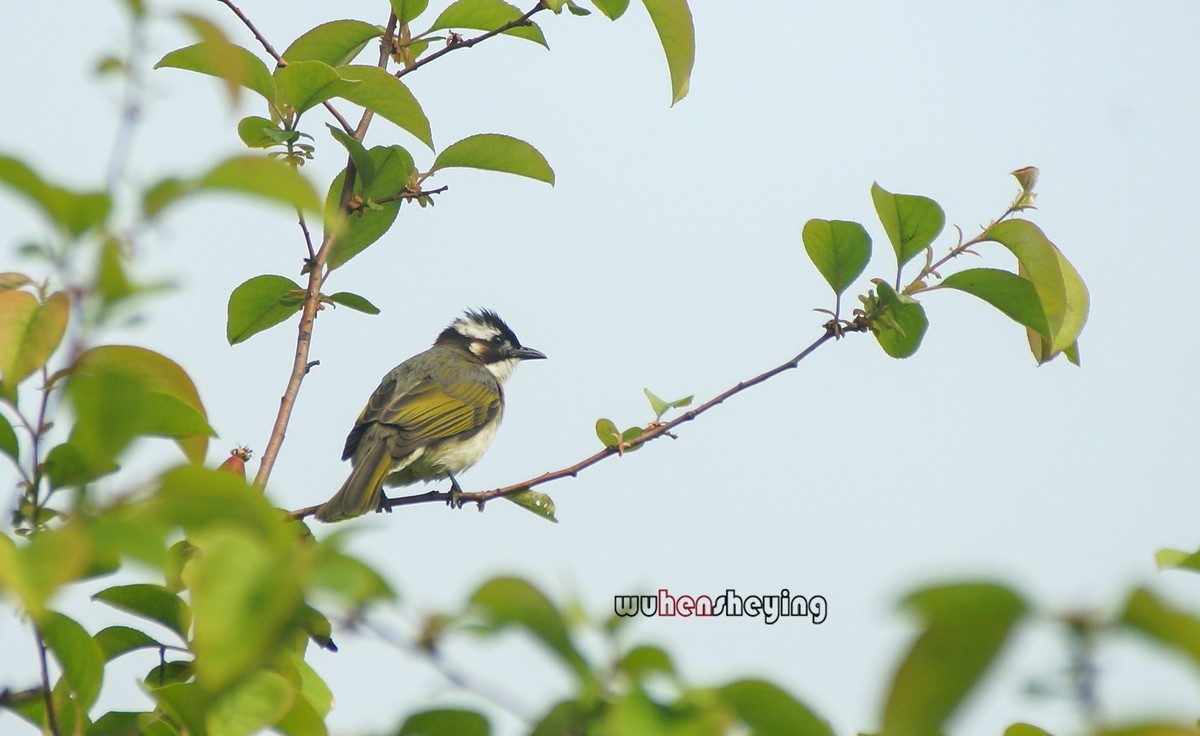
(492, 342)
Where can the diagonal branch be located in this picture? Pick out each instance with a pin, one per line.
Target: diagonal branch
(468, 43)
(652, 432)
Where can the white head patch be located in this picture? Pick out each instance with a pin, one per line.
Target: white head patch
(475, 330)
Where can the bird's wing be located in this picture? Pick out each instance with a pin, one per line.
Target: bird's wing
(428, 411)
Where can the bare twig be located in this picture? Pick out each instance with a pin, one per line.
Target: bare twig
(652, 432)
(51, 717)
(468, 43)
(406, 195)
(131, 108)
(955, 252)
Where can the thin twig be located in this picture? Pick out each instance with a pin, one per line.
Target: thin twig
(407, 195)
(51, 717)
(468, 43)
(131, 108)
(652, 432)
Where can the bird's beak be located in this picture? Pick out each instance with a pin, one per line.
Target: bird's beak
(528, 354)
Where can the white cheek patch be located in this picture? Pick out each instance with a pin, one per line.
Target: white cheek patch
(502, 369)
(478, 349)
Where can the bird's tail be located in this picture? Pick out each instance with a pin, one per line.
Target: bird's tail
(363, 490)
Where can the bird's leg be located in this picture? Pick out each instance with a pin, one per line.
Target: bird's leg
(455, 500)
(383, 503)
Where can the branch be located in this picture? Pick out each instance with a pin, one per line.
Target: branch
(468, 43)
(652, 432)
(406, 195)
(51, 717)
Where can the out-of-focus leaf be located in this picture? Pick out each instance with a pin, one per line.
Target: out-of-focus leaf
(302, 85)
(388, 97)
(169, 394)
(256, 305)
(1024, 729)
(12, 280)
(203, 500)
(487, 15)
(8, 440)
(186, 703)
(673, 21)
(839, 249)
(30, 331)
(354, 233)
(166, 674)
(964, 628)
(767, 709)
(33, 571)
(910, 221)
(508, 601)
(495, 152)
(232, 63)
(80, 659)
(257, 703)
(335, 43)
(538, 503)
(1149, 615)
(262, 177)
(643, 661)
(634, 712)
(445, 722)
(354, 301)
(74, 212)
(1006, 291)
(348, 578)
(151, 602)
(129, 723)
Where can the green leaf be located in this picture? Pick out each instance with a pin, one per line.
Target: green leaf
(187, 704)
(612, 9)
(302, 85)
(576, 9)
(394, 166)
(767, 709)
(1008, 292)
(258, 132)
(151, 602)
(509, 601)
(673, 21)
(128, 723)
(900, 322)
(255, 305)
(606, 430)
(117, 640)
(363, 163)
(354, 301)
(81, 661)
(388, 97)
(262, 177)
(538, 503)
(839, 249)
(29, 332)
(246, 601)
(257, 703)
(964, 628)
(445, 722)
(46, 562)
(171, 406)
(335, 43)
(10, 280)
(236, 65)
(495, 152)
(487, 15)
(349, 579)
(8, 440)
(202, 500)
(112, 283)
(1024, 729)
(1150, 616)
(643, 661)
(911, 221)
(75, 212)
(662, 407)
(407, 10)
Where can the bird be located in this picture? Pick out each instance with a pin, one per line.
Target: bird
(432, 417)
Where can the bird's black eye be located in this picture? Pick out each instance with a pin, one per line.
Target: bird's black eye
(497, 340)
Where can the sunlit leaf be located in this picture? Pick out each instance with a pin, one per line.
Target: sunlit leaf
(257, 703)
(388, 97)
(963, 629)
(901, 323)
(302, 85)
(234, 64)
(30, 331)
(661, 406)
(117, 640)
(407, 10)
(262, 177)
(612, 9)
(445, 722)
(335, 43)
(507, 601)
(354, 301)
(363, 163)
(393, 166)
(495, 152)
(258, 132)
(74, 212)
(673, 21)
(1151, 616)
(487, 15)
(910, 221)
(606, 430)
(767, 709)
(839, 249)
(1006, 291)
(256, 305)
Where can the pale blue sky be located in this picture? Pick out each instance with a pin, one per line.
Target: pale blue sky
(668, 256)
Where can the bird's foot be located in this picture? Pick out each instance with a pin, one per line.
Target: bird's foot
(454, 500)
(383, 503)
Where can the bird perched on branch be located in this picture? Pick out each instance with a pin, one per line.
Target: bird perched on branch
(433, 415)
